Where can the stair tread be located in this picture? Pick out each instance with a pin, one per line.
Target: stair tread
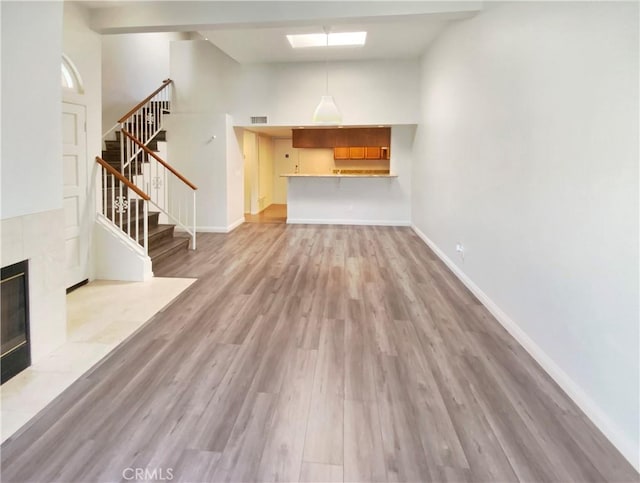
(168, 246)
(159, 233)
(160, 228)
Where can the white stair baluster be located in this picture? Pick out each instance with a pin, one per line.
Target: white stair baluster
(148, 173)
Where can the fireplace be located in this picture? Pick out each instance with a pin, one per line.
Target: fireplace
(14, 320)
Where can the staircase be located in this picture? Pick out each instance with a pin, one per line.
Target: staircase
(163, 242)
(139, 189)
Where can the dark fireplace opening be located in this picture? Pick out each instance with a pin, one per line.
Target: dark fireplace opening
(14, 320)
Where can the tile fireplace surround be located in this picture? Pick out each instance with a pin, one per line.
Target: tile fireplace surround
(40, 239)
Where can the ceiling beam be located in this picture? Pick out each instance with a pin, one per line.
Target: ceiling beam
(183, 16)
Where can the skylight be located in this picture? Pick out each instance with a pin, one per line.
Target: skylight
(336, 39)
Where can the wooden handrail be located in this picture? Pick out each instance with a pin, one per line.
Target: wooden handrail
(111, 170)
(159, 159)
(147, 99)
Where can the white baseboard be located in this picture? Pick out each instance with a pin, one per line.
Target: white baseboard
(302, 221)
(215, 229)
(211, 229)
(220, 229)
(235, 224)
(611, 431)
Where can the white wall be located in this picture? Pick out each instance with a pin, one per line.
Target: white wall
(133, 66)
(265, 171)
(31, 97)
(527, 153)
(235, 175)
(84, 48)
(251, 171)
(315, 161)
(370, 201)
(366, 92)
(205, 77)
(203, 161)
(285, 159)
(118, 258)
(198, 131)
(31, 210)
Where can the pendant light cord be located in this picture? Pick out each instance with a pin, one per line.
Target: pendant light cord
(326, 58)
(327, 76)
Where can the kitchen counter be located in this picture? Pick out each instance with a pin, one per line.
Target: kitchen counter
(331, 175)
(347, 198)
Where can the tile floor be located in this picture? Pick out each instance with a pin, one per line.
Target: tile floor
(100, 316)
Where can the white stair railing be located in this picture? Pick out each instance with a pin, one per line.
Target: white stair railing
(124, 206)
(144, 122)
(170, 192)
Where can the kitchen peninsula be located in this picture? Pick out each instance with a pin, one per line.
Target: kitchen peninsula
(362, 188)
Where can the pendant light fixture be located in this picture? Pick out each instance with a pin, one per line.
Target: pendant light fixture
(327, 112)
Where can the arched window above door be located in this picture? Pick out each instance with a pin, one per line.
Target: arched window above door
(70, 78)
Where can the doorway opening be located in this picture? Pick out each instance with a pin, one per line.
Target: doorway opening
(265, 199)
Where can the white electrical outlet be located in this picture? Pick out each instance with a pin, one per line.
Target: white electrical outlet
(460, 250)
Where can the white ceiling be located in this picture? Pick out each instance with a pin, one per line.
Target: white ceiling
(255, 31)
(387, 38)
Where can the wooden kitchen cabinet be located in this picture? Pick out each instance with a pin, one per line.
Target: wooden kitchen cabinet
(313, 138)
(356, 152)
(341, 153)
(341, 137)
(372, 152)
(370, 136)
(360, 152)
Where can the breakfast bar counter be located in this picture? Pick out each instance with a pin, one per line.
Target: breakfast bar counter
(339, 175)
(364, 198)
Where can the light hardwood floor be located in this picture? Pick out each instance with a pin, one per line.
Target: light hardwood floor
(315, 353)
(271, 214)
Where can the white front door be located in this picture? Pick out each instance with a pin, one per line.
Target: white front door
(74, 159)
